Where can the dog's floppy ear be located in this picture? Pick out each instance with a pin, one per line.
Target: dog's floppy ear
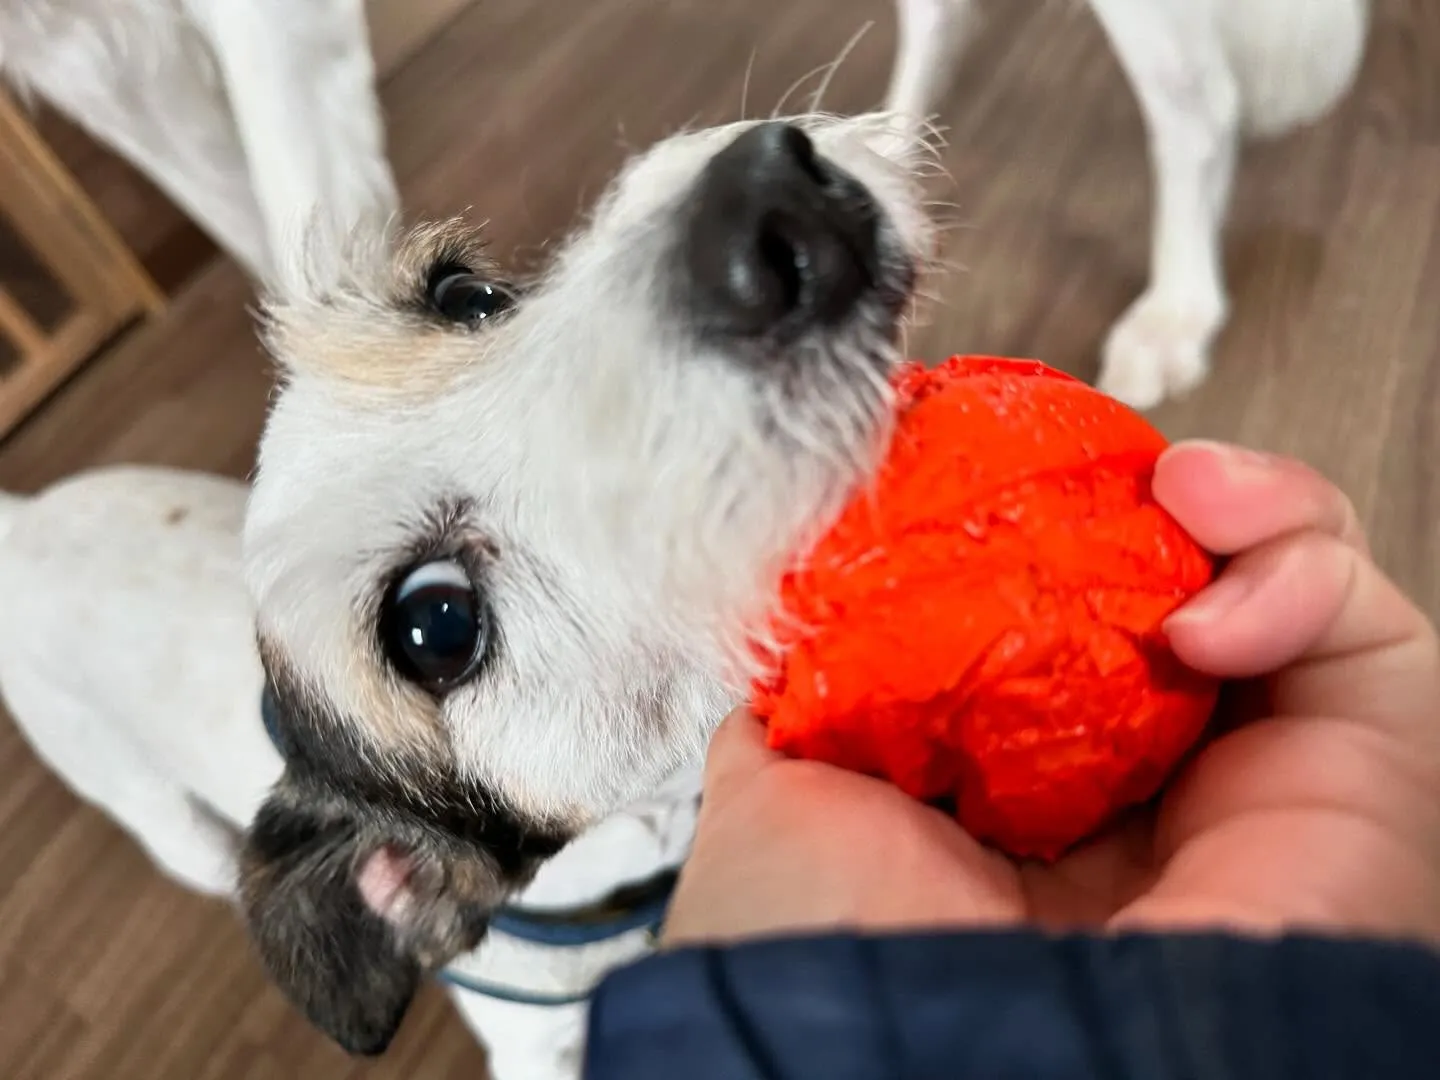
(349, 909)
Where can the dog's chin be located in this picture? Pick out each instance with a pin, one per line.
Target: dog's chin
(835, 380)
(830, 390)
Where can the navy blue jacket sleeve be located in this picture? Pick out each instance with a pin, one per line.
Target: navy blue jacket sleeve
(1022, 1006)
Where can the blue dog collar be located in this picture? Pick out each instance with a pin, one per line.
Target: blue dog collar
(643, 908)
(636, 907)
(640, 906)
(509, 993)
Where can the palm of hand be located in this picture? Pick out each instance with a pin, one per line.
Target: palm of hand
(1277, 824)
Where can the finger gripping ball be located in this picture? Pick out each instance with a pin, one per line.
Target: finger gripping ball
(982, 624)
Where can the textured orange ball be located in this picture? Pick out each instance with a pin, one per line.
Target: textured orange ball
(983, 622)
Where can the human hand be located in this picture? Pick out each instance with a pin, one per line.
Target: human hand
(1318, 807)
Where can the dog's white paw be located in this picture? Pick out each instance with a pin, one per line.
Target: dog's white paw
(1159, 349)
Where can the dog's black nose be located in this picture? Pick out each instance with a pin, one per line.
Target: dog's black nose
(777, 236)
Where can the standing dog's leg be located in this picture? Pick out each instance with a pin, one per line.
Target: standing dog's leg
(301, 83)
(1176, 62)
(931, 34)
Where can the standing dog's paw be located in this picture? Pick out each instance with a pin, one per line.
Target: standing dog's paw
(1159, 349)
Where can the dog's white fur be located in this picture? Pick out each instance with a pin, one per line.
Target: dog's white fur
(256, 116)
(1206, 74)
(248, 115)
(126, 651)
(127, 657)
(640, 498)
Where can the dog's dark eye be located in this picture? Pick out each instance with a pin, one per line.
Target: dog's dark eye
(433, 625)
(463, 297)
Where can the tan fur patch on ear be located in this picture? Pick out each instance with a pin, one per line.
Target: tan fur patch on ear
(366, 329)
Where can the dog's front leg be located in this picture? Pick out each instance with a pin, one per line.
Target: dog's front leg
(1176, 63)
(301, 83)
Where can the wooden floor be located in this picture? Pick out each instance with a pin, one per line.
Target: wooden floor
(521, 110)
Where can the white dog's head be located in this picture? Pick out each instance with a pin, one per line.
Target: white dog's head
(507, 544)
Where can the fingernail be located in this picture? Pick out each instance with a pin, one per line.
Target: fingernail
(1213, 603)
(1240, 462)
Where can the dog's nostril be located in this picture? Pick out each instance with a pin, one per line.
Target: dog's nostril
(776, 236)
(784, 263)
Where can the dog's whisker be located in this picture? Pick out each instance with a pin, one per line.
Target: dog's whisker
(779, 108)
(745, 85)
(849, 46)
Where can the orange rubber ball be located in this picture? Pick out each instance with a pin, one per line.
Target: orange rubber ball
(982, 625)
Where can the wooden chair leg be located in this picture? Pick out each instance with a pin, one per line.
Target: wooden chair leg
(107, 287)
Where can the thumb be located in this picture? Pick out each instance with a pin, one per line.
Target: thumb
(737, 752)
